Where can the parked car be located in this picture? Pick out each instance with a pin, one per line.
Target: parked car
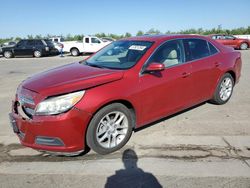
(29, 47)
(89, 44)
(99, 101)
(10, 43)
(6, 44)
(232, 41)
(57, 45)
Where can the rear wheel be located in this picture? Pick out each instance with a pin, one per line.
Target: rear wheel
(8, 54)
(110, 129)
(224, 89)
(74, 52)
(244, 46)
(37, 54)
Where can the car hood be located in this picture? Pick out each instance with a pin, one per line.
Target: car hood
(70, 78)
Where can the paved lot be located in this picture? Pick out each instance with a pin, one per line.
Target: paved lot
(207, 146)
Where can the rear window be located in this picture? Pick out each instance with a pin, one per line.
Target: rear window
(30, 43)
(49, 43)
(38, 42)
(212, 49)
(196, 49)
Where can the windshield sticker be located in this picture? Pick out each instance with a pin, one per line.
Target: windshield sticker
(137, 47)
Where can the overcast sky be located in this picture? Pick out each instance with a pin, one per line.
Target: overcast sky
(23, 17)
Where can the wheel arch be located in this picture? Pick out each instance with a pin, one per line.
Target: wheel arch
(72, 48)
(232, 73)
(248, 44)
(126, 103)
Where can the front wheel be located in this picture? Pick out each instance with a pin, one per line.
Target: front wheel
(110, 129)
(224, 89)
(8, 54)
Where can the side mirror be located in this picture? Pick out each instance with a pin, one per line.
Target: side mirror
(155, 67)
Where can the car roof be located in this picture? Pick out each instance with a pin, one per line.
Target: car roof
(162, 37)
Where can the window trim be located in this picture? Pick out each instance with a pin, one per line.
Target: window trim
(208, 50)
(162, 44)
(208, 42)
(142, 71)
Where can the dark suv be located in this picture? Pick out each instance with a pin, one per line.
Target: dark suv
(30, 47)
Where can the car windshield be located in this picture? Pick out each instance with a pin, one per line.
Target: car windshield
(119, 55)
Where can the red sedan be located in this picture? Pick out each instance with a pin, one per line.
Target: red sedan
(229, 40)
(99, 101)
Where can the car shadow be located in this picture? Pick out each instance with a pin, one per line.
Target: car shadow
(169, 117)
(131, 176)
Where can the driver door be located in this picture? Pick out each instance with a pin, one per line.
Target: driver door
(166, 92)
(21, 48)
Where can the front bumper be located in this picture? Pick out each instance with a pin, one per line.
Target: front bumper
(59, 133)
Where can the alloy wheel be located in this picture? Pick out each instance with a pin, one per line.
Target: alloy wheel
(226, 88)
(37, 54)
(112, 129)
(243, 46)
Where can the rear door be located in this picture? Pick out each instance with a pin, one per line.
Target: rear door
(170, 90)
(204, 65)
(30, 47)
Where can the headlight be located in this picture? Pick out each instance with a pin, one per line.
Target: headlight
(59, 104)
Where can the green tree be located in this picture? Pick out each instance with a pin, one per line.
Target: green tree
(30, 36)
(139, 33)
(127, 35)
(153, 31)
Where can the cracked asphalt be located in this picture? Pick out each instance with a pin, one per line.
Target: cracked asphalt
(205, 146)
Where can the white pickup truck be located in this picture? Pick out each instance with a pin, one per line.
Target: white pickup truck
(89, 44)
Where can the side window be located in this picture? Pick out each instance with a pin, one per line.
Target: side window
(21, 43)
(196, 49)
(39, 43)
(30, 43)
(86, 40)
(214, 37)
(212, 49)
(169, 54)
(55, 40)
(228, 37)
(219, 37)
(95, 40)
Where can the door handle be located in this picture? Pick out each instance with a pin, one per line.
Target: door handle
(185, 74)
(217, 64)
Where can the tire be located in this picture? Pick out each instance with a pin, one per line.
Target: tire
(74, 52)
(8, 54)
(223, 90)
(110, 129)
(243, 46)
(37, 54)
